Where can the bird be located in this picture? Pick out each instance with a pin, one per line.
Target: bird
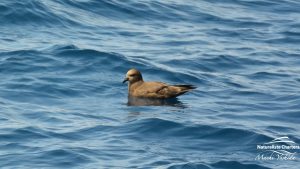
(137, 87)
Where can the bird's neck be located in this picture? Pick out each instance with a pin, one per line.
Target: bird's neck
(134, 85)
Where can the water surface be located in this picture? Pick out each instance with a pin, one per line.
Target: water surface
(62, 103)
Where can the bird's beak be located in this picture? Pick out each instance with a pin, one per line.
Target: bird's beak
(125, 80)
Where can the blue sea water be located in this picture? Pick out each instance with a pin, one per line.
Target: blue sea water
(62, 103)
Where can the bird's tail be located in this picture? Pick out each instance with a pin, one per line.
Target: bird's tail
(186, 87)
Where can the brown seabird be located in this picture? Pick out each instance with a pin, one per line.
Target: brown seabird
(154, 90)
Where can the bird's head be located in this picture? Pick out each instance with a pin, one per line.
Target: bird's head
(133, 76)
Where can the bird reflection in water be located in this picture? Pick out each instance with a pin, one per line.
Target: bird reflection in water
(137, 101)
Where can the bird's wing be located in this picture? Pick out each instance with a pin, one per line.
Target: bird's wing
(161, 90)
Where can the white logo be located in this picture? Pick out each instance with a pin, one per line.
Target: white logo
(281, 148)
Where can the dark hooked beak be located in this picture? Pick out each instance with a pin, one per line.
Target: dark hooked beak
(125, 80)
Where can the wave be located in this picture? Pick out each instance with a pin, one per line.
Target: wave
(54, 12)
(219, 164)
(147, 129)
(61, 64)
(63, 57)
(268, 75)
(29, 12)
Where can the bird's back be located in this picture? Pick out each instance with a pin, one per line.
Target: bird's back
(159, 90)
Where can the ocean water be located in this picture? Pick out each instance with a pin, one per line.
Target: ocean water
(62, 103)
